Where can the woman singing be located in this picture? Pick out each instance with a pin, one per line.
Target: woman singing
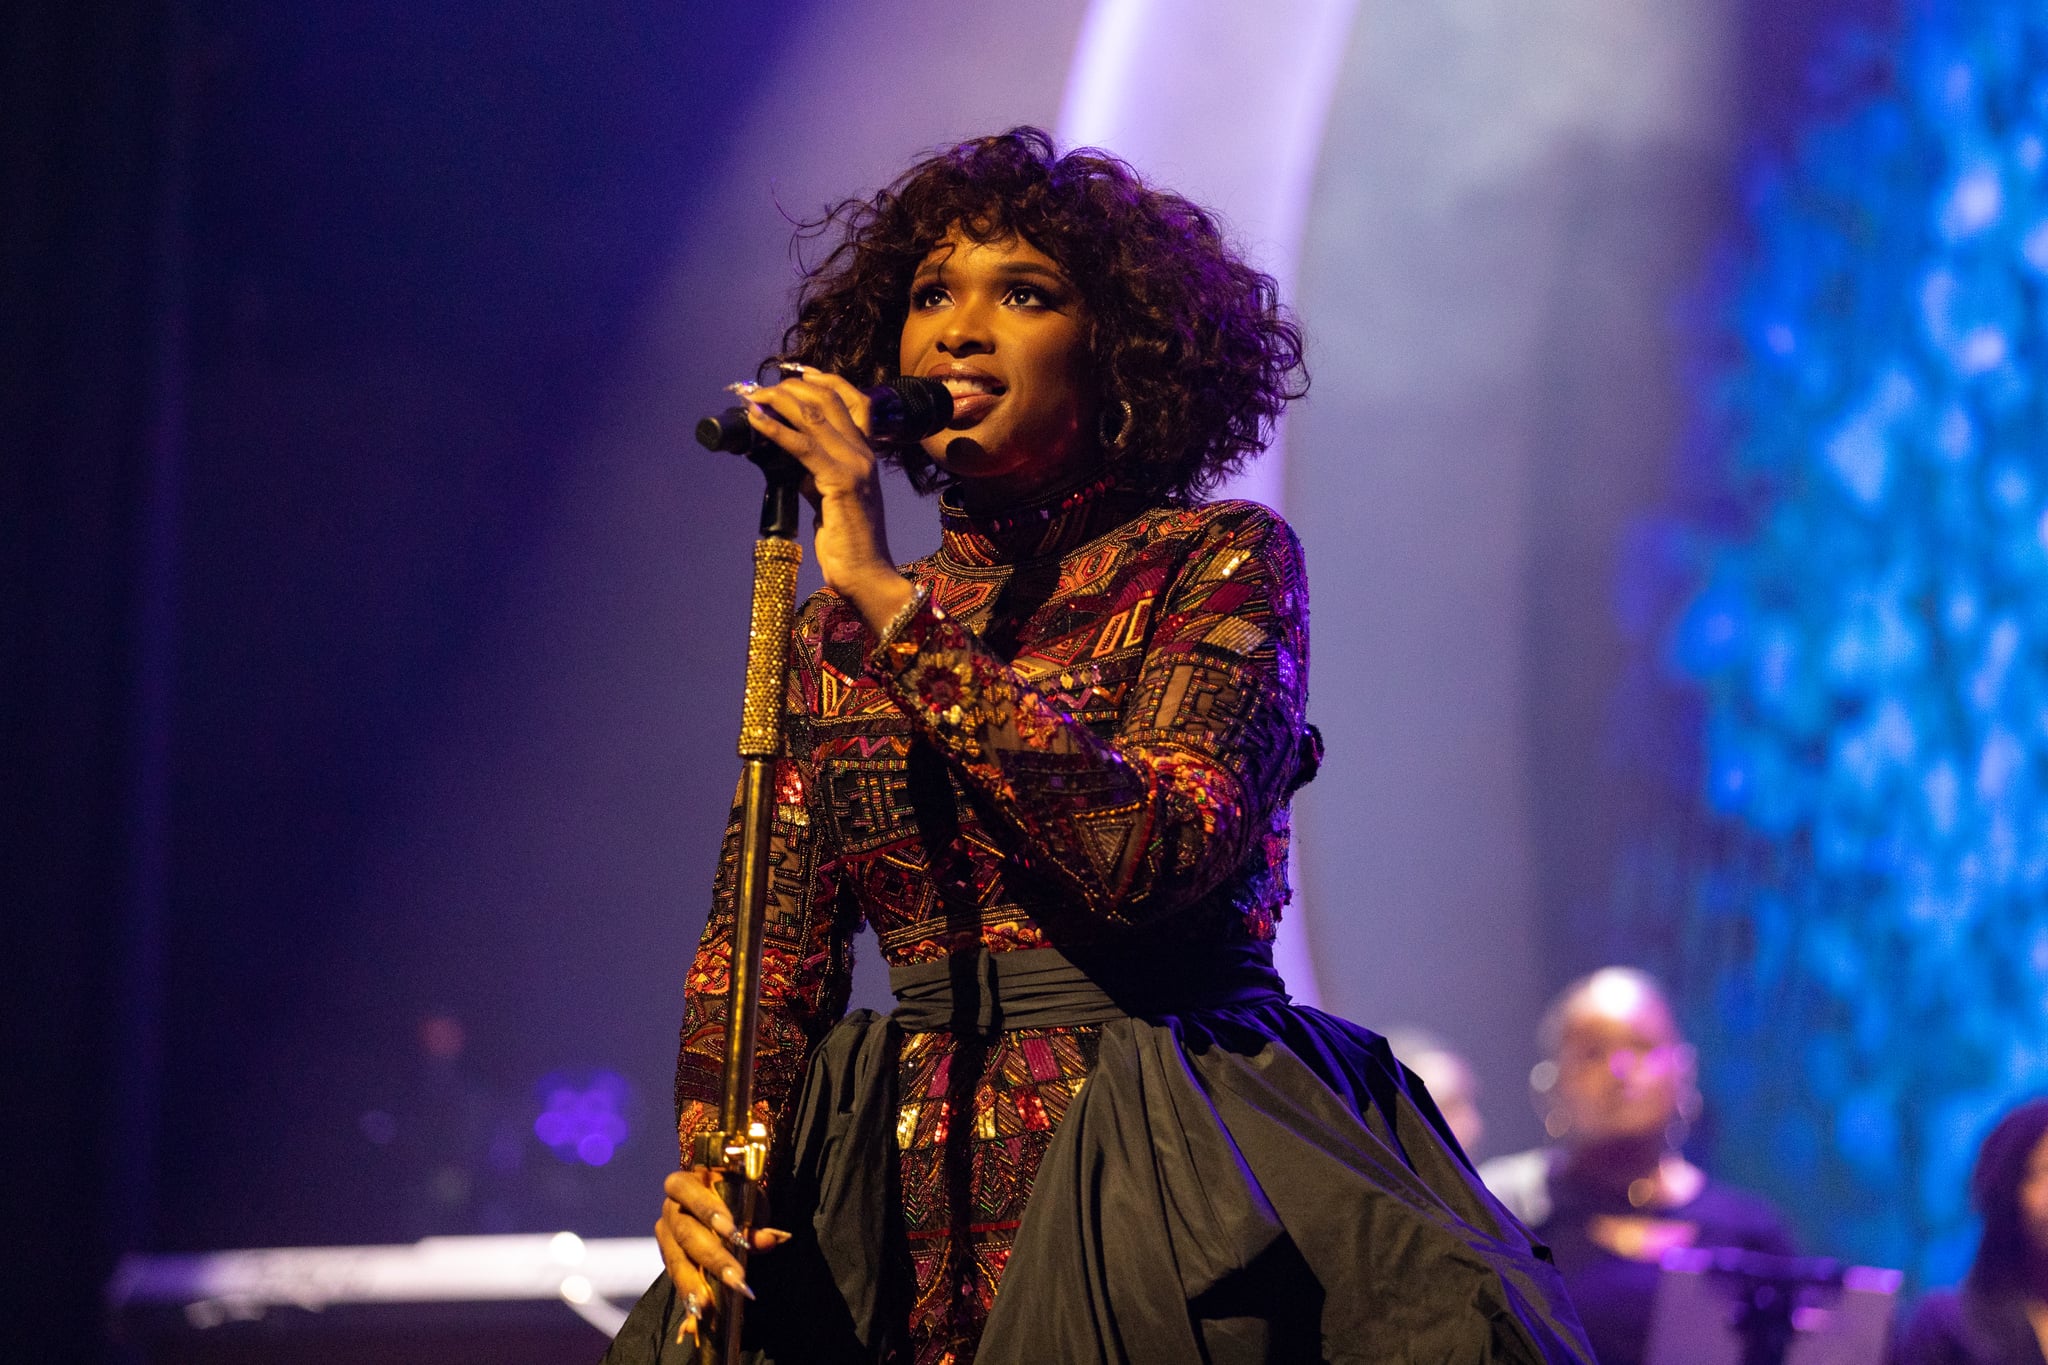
(1050, 765)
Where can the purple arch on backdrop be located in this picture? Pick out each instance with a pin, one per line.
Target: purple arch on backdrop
(1163, 84)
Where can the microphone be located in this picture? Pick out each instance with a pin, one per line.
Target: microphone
(904, 409)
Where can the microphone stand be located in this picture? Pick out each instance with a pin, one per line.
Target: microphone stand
(738, 1151)
(1766, 1292)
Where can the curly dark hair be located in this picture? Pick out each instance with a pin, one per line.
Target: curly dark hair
(1190, 336)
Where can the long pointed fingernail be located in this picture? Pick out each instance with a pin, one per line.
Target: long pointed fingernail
(741, 387)
(731, 1275)
(777, 1235)
(737, 1239)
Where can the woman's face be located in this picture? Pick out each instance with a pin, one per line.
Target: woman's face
(1003, 327)
(1622, 1069)
(2033, 1198)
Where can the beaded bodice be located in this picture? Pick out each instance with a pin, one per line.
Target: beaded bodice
(1083, 734)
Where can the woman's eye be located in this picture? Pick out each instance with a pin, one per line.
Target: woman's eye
(1028, 296)
(931, 296)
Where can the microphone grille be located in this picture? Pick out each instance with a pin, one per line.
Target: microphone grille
(927, 406)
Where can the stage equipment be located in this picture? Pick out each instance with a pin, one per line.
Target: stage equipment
(1723, 1306)
(510, 1298)
(906, 409)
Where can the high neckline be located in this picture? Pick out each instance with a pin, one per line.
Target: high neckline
(1050, 524)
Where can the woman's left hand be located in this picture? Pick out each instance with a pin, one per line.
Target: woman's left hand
(823, 425)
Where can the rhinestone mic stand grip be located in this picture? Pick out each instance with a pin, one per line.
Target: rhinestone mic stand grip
(738, 1151)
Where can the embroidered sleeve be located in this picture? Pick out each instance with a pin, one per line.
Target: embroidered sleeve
(1143, 822)
(806, 959)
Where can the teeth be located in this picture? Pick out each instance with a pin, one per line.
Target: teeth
(962, 384)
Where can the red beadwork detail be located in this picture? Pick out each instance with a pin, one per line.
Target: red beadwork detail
(1115, 787)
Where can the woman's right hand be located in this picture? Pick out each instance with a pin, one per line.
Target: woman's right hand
(822, 421)
(698, 1238)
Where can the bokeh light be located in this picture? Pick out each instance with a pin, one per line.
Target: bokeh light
(1871, 648)
(584, 1118)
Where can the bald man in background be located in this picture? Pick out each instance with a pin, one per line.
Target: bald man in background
(1614, 1191)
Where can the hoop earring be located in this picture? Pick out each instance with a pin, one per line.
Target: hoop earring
(1121, 436)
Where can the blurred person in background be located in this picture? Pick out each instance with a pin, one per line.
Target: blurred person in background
(1614, 1190)
(1448, 1077)
(2000, 1314)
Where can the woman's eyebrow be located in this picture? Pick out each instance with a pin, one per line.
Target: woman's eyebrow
(936, 272)
(1018, 270)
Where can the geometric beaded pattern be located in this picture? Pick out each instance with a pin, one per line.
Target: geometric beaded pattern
(1084, 734)
(964, 1183)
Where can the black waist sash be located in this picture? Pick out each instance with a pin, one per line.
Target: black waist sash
(982, 993)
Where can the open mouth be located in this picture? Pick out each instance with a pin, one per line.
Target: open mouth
(974, 396)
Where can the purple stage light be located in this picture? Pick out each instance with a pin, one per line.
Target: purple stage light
(583, 1118)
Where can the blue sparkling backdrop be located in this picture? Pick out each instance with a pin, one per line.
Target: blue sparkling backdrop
(1861, 932)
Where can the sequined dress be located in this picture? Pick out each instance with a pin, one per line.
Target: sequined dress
(1083, 734)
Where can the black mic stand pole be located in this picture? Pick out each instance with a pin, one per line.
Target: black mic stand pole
(738, 1151)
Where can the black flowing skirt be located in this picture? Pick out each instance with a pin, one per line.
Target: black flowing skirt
(1241, 1181)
